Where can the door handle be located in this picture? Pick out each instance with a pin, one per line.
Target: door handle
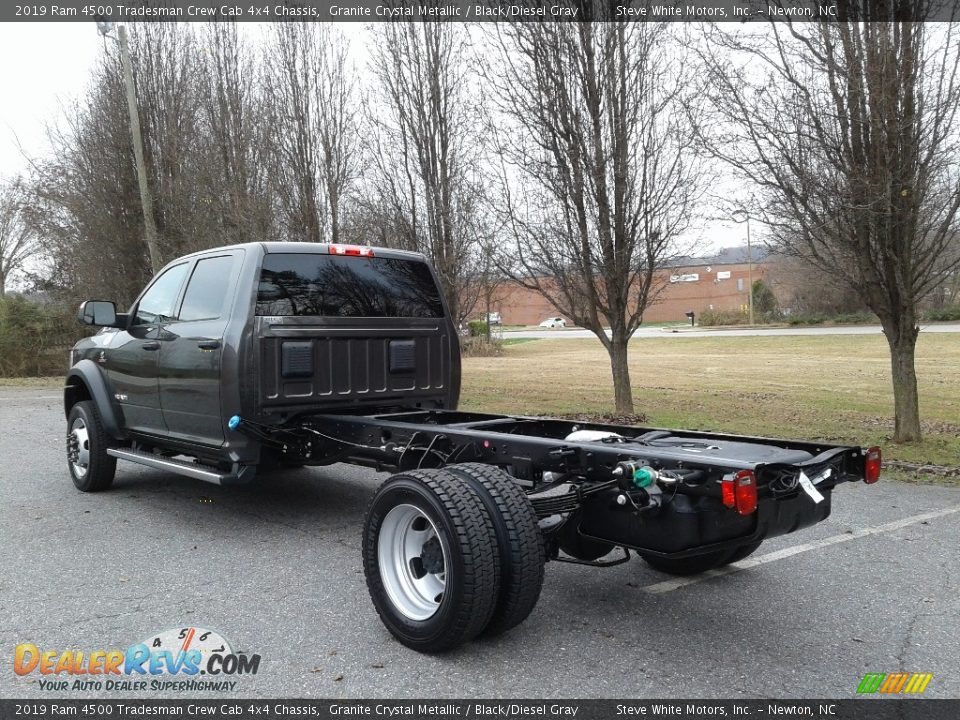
(208, 344)
(150, 345)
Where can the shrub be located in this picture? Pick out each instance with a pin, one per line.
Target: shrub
(854, 318)
(480, 347)
(478, 328)
(709, 318)
(34, 337)
(947, 314)
(764, 301)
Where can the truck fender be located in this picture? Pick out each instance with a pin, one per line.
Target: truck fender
(84, 380)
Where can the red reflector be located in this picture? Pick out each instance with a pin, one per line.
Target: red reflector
(871, 466)
(727, 493)
(745, 490)
(355, 250)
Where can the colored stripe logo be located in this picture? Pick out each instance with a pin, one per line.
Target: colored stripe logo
(894, 683)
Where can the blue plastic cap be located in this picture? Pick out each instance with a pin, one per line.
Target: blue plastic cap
(234, 422)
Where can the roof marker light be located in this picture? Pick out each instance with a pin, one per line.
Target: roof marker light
(351, 250)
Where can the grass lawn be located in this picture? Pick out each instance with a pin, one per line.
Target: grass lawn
(831, 388)
(32, 382)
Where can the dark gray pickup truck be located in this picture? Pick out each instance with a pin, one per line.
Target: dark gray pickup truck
(287, 354)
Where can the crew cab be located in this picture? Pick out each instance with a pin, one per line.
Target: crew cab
(291, 354)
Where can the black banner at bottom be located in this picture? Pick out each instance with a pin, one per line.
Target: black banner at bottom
(873, 709)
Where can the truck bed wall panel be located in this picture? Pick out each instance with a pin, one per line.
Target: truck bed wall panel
(352, 366)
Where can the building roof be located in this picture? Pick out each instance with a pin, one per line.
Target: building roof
(725, 256)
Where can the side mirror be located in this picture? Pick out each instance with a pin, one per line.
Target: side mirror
(101, 313)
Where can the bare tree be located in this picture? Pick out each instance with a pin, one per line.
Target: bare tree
(18, 239)
(311, 113)
(849, 128)
(203, 155)
(167, 68)
(424, 174)
(597, 168)
(84, 199)
(234, 168)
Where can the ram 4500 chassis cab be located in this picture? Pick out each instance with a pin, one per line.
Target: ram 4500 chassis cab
(287, 354)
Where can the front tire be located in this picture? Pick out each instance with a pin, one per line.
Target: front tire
(431, 560)
(90, 467)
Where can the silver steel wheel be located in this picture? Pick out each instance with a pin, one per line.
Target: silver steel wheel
(78, 447)
(413, 559)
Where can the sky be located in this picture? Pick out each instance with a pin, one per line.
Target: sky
(42, 66)
(45, 66)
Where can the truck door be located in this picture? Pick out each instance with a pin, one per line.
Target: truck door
(131, 361)
(191, 350)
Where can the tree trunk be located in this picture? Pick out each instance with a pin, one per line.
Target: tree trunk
(622, 392)
(906, 401)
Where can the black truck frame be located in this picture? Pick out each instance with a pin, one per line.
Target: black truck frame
(263, 355)
(598, 475)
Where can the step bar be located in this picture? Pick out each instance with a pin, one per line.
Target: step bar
(239, 473)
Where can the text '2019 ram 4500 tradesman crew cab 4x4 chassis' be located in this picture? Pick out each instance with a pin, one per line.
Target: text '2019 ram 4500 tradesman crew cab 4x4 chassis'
(302, 354)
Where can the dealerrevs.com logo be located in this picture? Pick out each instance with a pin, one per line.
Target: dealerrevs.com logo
(181, 659)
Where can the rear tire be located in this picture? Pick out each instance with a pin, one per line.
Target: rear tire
(90, 467)
(743, 551)
(687, 566)
(431, 560)
(519, 541)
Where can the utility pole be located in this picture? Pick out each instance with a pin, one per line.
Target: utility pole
(749, 272)
(146, 201)
(736, 215)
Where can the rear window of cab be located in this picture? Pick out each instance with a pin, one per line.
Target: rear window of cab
(346, 286)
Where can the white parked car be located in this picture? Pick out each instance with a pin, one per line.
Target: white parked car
(554, 322)
(493, 318)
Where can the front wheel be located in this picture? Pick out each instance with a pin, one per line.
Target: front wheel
(91, 468)
(431, 560)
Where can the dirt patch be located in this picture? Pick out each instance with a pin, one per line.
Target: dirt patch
(924, 469)
(608, 418)
(935, 427)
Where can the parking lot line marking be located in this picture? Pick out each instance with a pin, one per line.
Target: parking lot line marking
(670, 585)
(35, 397)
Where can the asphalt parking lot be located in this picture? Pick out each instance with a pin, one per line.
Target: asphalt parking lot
(275, 568)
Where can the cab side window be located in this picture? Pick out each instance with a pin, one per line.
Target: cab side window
(157, 305)
(207, 290)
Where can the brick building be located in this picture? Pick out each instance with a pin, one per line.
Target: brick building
(718, 282)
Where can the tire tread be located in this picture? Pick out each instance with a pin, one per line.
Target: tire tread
(478, 551)
(103, 467)
(522, 560)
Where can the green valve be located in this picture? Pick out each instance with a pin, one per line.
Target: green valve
(644, 477)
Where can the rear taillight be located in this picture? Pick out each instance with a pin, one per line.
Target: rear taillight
(745, 492)
(355, 250)
(728, 493)
(871, 465)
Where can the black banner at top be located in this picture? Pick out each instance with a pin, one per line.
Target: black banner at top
(481, 10)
